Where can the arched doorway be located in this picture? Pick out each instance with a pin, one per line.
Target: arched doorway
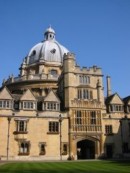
(86, 149)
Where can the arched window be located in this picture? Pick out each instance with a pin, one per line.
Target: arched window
(24, 148)
(65, 149)
(42, 147)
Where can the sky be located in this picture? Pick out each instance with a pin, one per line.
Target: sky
(96, 31)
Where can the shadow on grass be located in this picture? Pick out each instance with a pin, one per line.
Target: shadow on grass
(120, 162)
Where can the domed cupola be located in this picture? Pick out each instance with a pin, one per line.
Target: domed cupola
(49, 34)
(48, 52)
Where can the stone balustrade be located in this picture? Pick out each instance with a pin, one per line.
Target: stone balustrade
(86, 128)
(29, 77)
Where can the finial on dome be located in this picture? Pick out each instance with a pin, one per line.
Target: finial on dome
(49, 33)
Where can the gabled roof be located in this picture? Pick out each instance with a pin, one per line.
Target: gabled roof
(126, 100)
(114, 99)
(5, 94)
(51, 97)
(28, 95)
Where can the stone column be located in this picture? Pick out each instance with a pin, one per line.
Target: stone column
(97, 149)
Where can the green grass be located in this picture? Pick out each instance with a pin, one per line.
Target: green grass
(66, 167)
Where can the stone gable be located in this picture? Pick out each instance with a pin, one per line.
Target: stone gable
(28, 96)
(5, 94)
(51, 97)
(116, 100)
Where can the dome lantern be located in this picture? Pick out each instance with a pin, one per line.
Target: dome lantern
(49, 34)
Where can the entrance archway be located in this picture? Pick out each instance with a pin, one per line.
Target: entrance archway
(86, 149)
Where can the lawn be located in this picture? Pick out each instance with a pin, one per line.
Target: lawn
(66, 167)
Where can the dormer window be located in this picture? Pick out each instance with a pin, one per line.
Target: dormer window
(51, 102)
(28, 105)
(5, 104)
(51, 106)
(116, 108)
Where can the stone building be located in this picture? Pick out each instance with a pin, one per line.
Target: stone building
(56, 110)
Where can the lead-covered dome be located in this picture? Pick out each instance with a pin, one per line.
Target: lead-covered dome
(48, 51)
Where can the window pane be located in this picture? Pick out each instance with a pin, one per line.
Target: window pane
(21, 126)
(7, 104)
(53, 126)
(4, 104)
(108, 129)
(93, 117)
(1, 104)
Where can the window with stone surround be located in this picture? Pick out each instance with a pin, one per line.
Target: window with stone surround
(42, 148)
(84, 79)
(108, 130)
(64, 148)
(24, 147)
(53, 127)
(84, 93)
(21, 125)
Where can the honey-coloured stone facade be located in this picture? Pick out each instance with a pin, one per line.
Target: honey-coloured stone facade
(56, 110)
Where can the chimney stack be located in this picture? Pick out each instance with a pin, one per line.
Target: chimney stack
(108, 86)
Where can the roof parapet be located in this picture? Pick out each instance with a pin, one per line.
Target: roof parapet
(89, 70)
